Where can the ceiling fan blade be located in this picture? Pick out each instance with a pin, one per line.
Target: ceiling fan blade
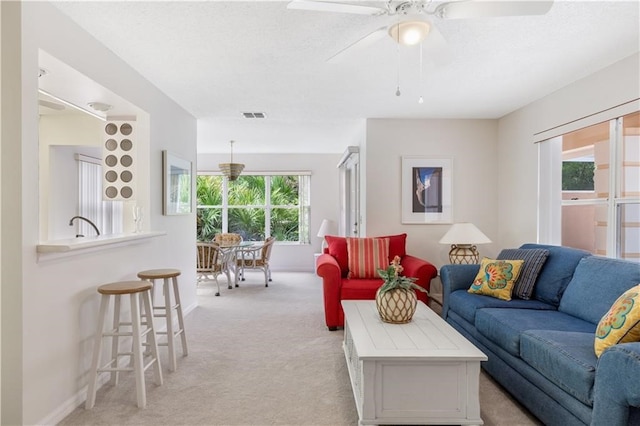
(488, 9)
(365, 41)
(436, 47)
(327, 6)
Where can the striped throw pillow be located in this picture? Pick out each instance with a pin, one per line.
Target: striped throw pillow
(366, 256)
(533, 261)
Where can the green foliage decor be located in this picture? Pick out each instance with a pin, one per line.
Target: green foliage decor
(393, 279)
(577, 175)
(247, 206)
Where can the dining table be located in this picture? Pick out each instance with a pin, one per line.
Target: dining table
(229, 251)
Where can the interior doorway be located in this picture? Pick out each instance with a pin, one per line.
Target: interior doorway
(349, 168)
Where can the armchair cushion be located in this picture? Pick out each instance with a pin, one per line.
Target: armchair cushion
(337, 247)
(366, 256)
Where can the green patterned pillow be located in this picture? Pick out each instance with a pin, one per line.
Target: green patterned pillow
(622, 323)
(496, 278)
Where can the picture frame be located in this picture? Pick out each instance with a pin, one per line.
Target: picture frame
(177, 187)
(427, 190)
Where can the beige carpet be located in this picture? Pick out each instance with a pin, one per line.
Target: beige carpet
(259, 356)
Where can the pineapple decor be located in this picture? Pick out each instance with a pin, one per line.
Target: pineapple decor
(395, 299)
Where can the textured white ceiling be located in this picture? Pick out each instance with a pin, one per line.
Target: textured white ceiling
(217, 59)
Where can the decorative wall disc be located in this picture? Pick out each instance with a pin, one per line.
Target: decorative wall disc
(119, 161)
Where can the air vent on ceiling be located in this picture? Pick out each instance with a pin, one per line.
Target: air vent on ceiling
(254, 115)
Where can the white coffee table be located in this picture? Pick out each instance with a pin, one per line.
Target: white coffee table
(423, 372)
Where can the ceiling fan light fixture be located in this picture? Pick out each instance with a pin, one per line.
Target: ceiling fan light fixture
(100, 106)
(409, 33)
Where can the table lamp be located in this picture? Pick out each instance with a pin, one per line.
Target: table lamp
(463, 238)
(326, 228)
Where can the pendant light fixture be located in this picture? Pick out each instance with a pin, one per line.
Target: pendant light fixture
(231, 170)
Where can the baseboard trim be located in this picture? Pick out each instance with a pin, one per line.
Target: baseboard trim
(80, 397)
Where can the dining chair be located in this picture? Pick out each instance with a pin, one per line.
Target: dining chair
(256, 257)
(209, 263)
(228, 238)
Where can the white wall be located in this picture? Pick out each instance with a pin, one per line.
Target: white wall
(55, 303)
(57, 148)
(471, 144)
(517, 154)
(10, 193)
(324, 197)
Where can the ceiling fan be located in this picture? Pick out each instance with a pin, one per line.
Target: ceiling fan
(412, 26)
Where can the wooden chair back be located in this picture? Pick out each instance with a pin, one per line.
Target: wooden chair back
(208, 255)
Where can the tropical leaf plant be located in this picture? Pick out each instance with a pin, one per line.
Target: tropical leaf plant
(393, 280)
(247, 207)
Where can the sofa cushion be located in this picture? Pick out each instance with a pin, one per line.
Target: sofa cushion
(556, 272)
(359, 289)
(366, 256)
(337, 247)
(504, 326)
(621, 324)
(466, 305)
(596, 284)
(397, 245)
(533, 261)
(496, 278)
(565, 358)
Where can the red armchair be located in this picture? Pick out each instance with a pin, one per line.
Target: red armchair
(332, 266)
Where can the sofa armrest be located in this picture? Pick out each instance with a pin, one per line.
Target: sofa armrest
(422, 270)
(616, 387)
(328, 269)
(455, 277)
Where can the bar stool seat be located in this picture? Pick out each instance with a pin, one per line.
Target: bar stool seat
(167, 309)
(134, 289)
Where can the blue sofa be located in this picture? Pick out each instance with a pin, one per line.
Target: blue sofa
(542, 350)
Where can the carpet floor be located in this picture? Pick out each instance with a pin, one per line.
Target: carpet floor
(259, 356)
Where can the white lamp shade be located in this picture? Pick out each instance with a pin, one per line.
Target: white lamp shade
(326, 228)
(464, 233)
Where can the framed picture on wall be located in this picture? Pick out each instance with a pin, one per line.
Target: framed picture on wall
(176, 184)
(426, 190)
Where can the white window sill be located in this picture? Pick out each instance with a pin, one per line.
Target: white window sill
(85, 243)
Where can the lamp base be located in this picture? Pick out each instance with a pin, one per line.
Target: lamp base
(464, 254)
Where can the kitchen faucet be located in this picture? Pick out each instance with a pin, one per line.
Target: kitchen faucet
(86, 220)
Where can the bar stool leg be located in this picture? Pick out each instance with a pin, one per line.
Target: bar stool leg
(176, 294)
(151, 336)
(169, 317)
(138, 368)
(97, 348)
(115, 341)
(149, 320)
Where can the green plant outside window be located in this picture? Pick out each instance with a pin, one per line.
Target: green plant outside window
(255, 207)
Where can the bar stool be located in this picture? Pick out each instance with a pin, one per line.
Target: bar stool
(167, 310)
(134, 289)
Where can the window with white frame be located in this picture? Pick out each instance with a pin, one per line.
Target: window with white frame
(256, 206)
(106, 215)
(590, 188)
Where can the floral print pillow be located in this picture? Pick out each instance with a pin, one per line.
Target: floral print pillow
(622, 323)
(496, 278)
